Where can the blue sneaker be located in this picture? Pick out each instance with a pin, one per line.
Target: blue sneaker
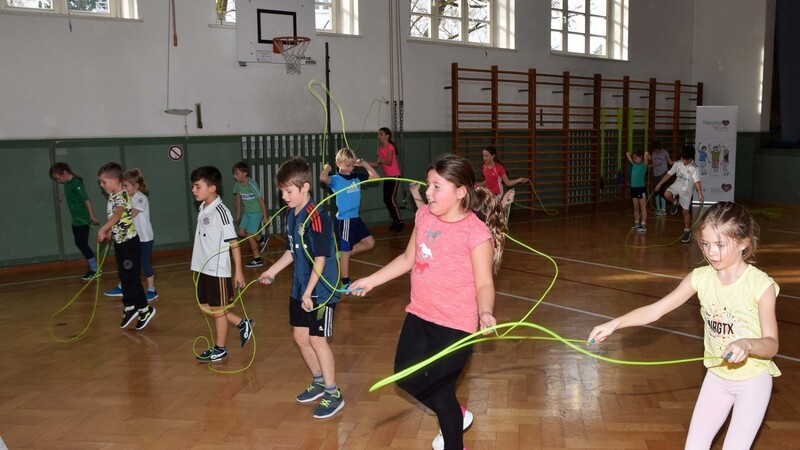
(312, 392)
(151, 295)
(329, 405)
(116, 292)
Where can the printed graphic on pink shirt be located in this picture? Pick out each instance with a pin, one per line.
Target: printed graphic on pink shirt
(424, 253)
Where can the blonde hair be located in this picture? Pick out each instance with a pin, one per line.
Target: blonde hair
(479, 200)
(345, 154)
(135, 176)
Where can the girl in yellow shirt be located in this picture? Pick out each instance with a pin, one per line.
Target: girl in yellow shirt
(737, 304)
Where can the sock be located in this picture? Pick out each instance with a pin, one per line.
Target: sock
(317, 378)
(144, 310)
(219, 348)
(151, 289)
(257, 258)
(129, 308)
(331, 389)
(345, 281)
(92, 264)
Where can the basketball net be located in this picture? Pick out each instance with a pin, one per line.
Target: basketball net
(293, 49)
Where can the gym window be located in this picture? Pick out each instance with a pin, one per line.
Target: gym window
(596, 28)
(336, 16)
(471, 22)
(226, 11)
(120, 9)
(330, 16)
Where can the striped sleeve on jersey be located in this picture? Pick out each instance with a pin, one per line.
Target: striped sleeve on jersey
(223, 214)
(315, 219)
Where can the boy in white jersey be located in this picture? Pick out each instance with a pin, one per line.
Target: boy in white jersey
(682, 189)
(214, 244)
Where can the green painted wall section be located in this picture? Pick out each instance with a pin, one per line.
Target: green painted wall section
(36, 222)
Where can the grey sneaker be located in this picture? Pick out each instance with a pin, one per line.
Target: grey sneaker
(329, 405)
(642, 228)
(312, 392)
(673, 209)
(686, 238)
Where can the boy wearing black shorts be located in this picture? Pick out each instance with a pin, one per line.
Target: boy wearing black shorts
(310, 247)
(214, 243)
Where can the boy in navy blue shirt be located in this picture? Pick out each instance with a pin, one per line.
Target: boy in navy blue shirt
(309, 246)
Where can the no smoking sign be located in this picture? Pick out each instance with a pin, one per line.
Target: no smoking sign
(175, 152)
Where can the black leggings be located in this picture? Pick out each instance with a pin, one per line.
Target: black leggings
(435, 385)
(81, 235)
(390, 199)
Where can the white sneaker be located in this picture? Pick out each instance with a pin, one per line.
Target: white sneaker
(438, 441)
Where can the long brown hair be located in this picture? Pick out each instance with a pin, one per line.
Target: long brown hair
(479, 200)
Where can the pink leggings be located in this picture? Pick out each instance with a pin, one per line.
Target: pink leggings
(749, 400)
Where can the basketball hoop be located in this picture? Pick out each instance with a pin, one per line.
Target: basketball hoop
(293, 48)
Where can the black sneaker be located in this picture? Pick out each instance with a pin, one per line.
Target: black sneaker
(258, 262)
(91, 275)
(213, 354)
(399, 227)
(262, 243)
(128, 314)
(393, 226)
(245, 330)
(686, 238)
(144, 317)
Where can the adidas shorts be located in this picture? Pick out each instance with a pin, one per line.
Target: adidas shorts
(351, 232)
(214, 291)
(319, 322)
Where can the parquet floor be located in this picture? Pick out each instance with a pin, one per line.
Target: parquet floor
(127, 389)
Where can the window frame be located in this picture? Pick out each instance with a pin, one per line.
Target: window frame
(334, 7)
(344, 17)
(117, 9)
(616, 29)
(435, 19)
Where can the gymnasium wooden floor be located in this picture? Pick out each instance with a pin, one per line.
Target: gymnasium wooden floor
(128, 389)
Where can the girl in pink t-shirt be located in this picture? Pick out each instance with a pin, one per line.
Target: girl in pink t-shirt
(494, 173)
(387, 159)
(455, 248)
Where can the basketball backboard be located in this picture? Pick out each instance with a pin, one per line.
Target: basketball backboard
(258, 21)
